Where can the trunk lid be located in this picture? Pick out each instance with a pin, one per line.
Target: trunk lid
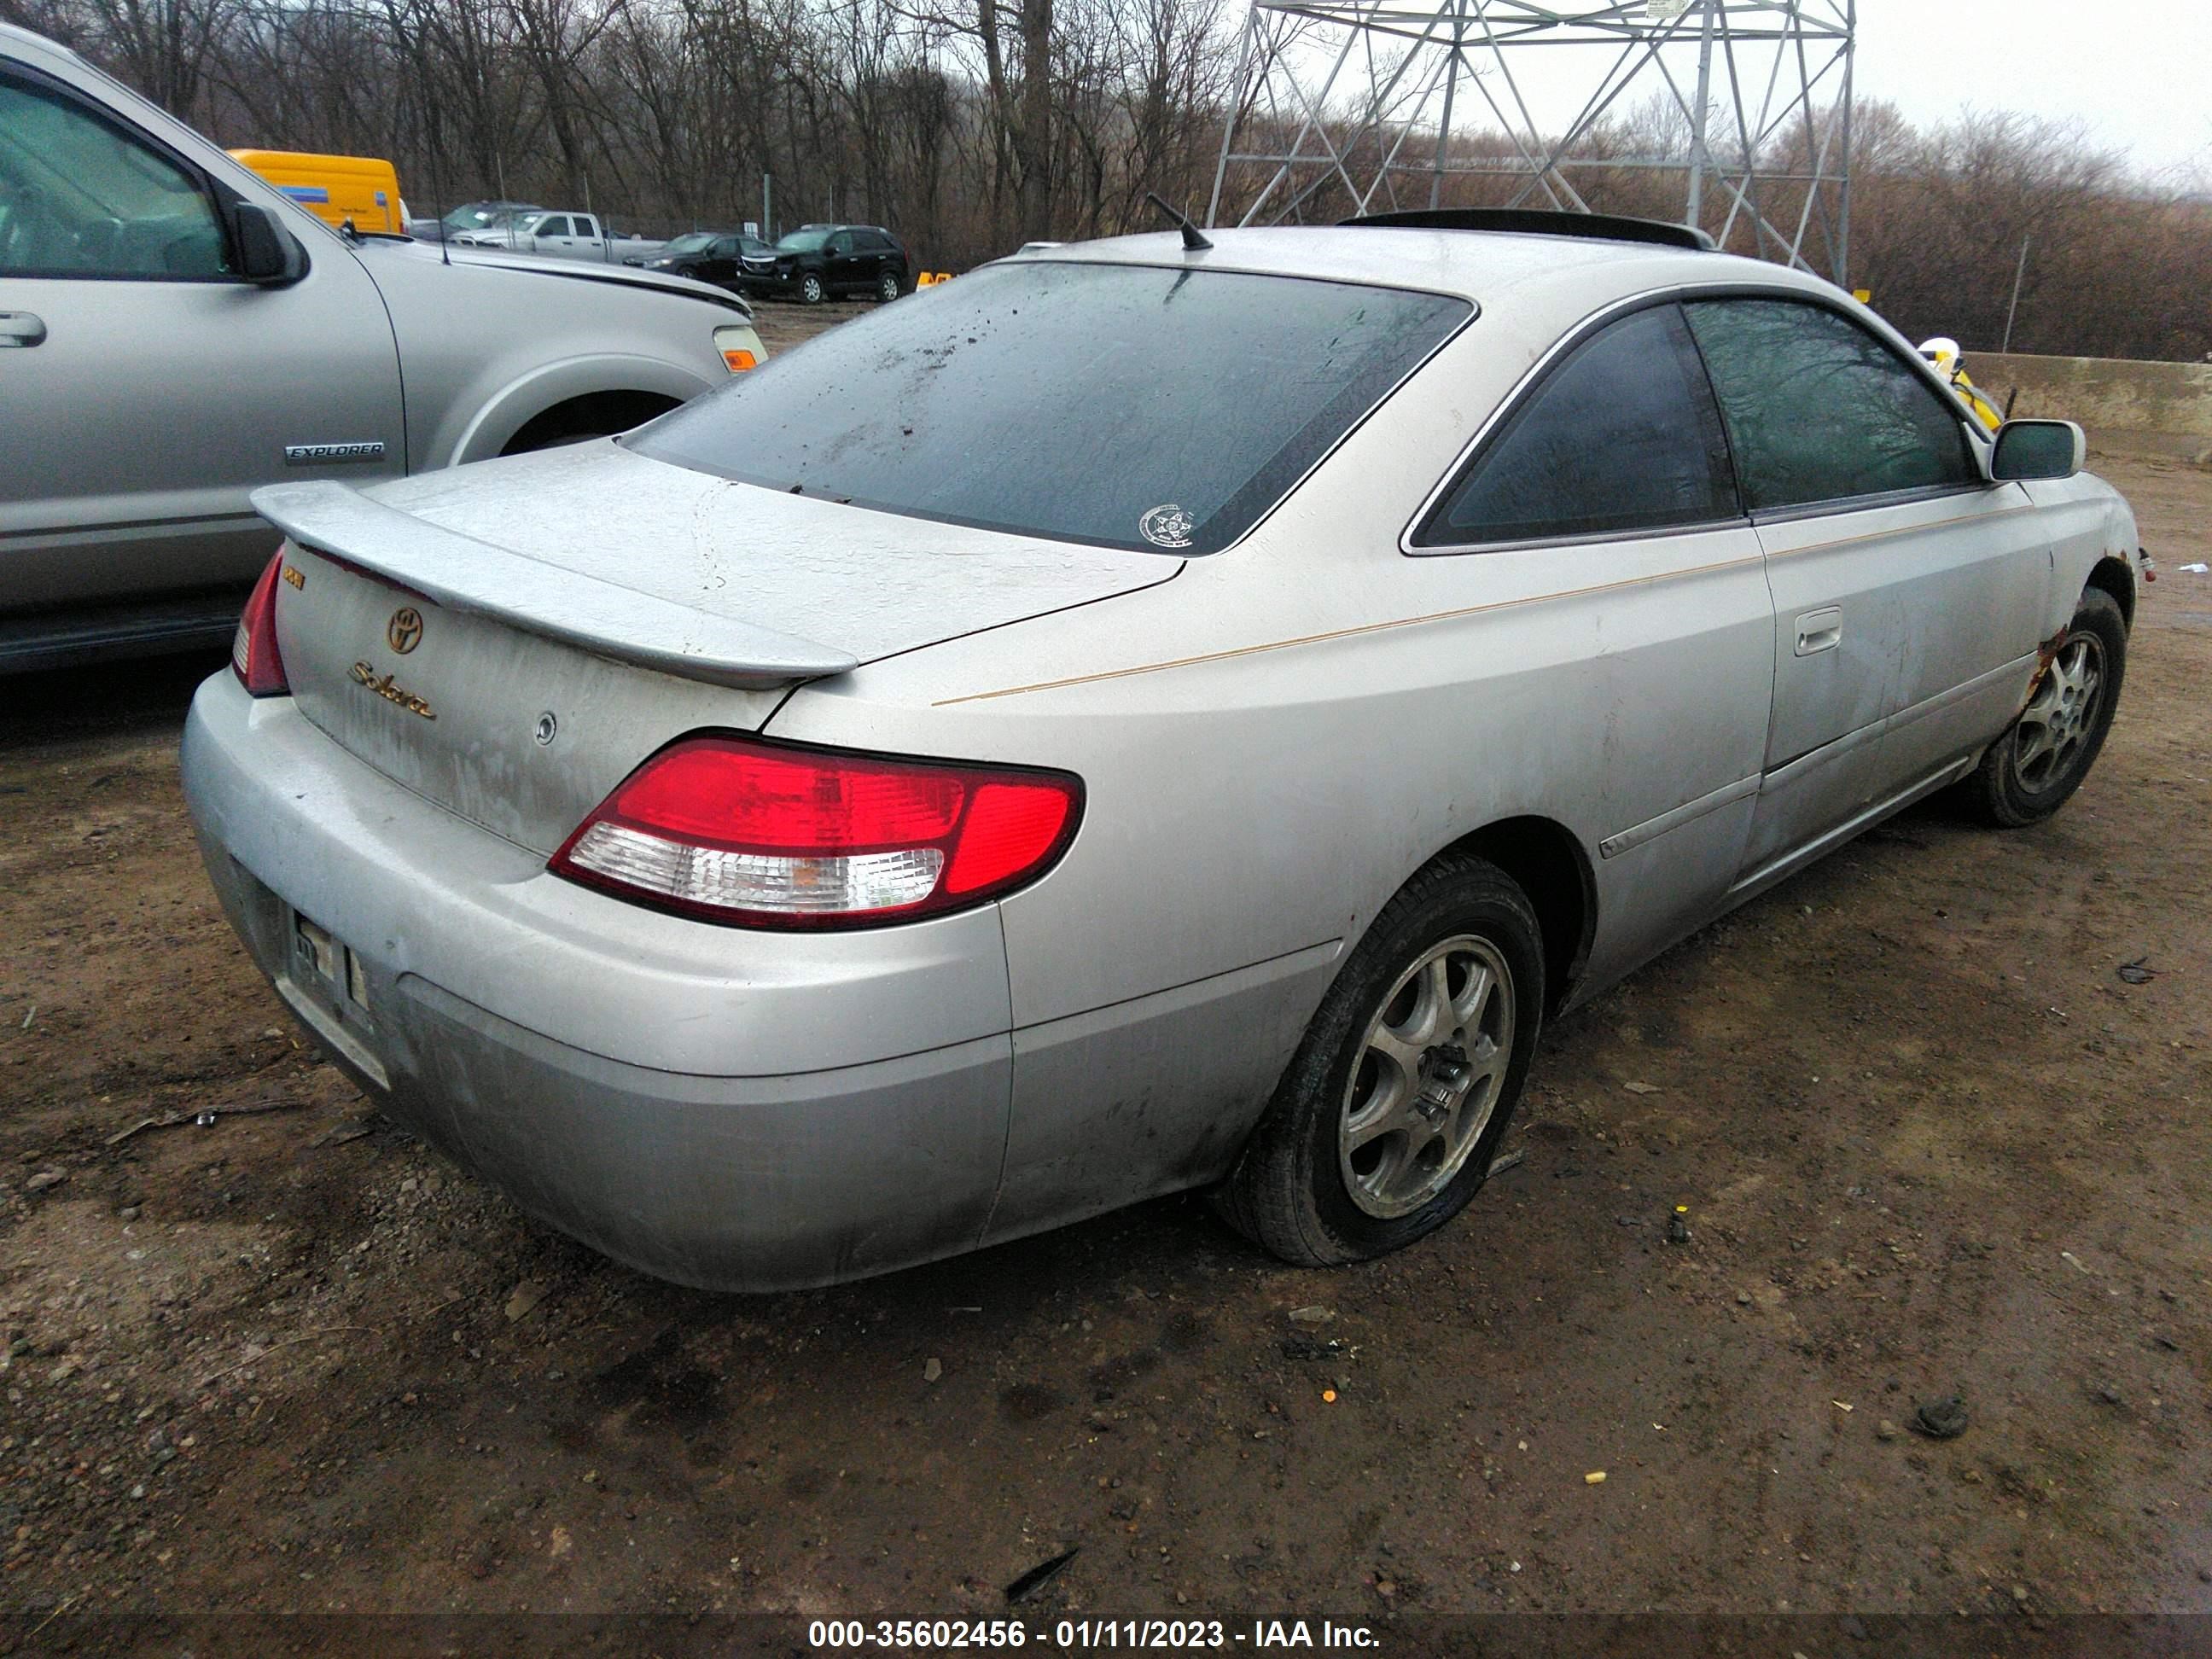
(510, 640)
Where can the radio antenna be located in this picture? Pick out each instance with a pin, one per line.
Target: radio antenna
(1193, 239)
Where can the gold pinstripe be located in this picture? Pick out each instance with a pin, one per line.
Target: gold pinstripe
(1898, 530)
(1348, 633)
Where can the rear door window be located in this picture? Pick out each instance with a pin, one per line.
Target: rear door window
(587, 228)
(1820, 409)
(1128, 406)
(1621, 436)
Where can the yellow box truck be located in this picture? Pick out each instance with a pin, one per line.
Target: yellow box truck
(335, 188)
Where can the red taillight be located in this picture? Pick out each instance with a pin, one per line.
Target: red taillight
(739, 829)
(253, 653)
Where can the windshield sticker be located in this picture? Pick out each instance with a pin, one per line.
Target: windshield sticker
(1167, 525)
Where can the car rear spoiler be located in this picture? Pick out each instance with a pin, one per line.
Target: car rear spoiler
(464, 573)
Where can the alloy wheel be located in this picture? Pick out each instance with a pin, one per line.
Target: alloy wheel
(2061, 716)
(1428, 1076)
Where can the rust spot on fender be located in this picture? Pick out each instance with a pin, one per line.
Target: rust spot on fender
(2046, 654)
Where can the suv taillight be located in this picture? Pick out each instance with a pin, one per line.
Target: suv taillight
(253, 654)
(743, 831)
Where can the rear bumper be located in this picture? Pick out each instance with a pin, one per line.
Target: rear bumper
(728, 1109)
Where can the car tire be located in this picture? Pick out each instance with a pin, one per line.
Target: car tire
(887, 288)
(1358, 1155)
(2027, 774)
(811, 291)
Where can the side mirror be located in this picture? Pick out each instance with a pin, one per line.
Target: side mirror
(2029, 450)
(266, 253)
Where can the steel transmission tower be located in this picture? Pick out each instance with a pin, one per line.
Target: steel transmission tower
(1741, 114)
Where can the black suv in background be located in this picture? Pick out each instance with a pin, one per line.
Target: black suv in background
(712, 256)
(817, 261)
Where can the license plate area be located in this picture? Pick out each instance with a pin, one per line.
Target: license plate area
(327, 986)
(322, 966)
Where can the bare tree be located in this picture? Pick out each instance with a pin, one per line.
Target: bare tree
(970, 126)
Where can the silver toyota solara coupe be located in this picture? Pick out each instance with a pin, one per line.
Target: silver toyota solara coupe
(1138, 717)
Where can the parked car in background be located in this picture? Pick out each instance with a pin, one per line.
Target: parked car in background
(1135, 717)
(550, 234)
(710, 255)
(175, 331)
(467, 219)
(362, 191)
(815, 262)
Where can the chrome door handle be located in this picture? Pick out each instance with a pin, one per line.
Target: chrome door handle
(1820, 630)
(21, 328)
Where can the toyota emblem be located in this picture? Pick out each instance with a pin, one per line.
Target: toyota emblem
(405, 630)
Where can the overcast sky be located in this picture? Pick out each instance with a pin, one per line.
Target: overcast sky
(2139, 72)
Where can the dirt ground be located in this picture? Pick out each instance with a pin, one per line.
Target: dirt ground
(1931, 1143)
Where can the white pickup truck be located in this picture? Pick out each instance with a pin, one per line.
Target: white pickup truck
(556, 232)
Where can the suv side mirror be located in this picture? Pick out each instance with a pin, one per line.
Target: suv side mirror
(266, 253)
(2031, 450)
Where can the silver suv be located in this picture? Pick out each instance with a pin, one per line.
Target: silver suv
(184, 333)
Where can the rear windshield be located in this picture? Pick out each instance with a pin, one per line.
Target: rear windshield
(1123, 405)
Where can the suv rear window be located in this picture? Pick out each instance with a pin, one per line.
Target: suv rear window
(1122, 405)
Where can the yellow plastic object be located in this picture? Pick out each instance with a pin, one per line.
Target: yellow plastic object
(1954, 369)
(334, 188)
(1981, 405)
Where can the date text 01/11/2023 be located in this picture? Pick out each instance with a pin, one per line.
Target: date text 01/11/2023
(911, 1634)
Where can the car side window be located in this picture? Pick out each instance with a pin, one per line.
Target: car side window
(841, 242)
(587, 228)
(81, 196)
(1619, 436)
(1820, 409)
(554, 225)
